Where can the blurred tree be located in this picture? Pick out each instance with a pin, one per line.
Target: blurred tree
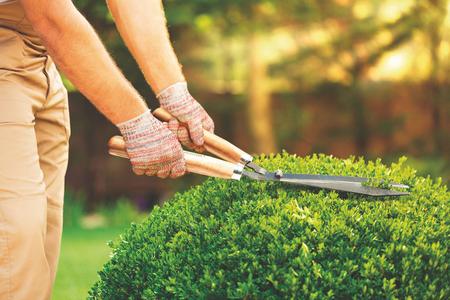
(253, 22)
(274, 58)
(433, 27)
(358, 39)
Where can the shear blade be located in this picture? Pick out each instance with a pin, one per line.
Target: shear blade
(328, 182)
(336, 178)
(345, 186)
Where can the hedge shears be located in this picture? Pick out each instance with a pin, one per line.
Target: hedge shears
(236, 163)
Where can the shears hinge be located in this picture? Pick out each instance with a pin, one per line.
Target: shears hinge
(256, 168)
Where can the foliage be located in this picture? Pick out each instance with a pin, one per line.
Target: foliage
(118, 214)
(73, 208)
(260, 240)
(433, 166)
(122, 213)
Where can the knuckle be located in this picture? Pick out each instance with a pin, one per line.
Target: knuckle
(176, 173)
(179, 165)
(150, 171)
(183, 132)
(162, 175)
(138, 171)
(197, 135)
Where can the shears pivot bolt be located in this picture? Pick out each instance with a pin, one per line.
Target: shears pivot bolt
(278, 174)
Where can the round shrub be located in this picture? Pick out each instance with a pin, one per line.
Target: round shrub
(263, 240)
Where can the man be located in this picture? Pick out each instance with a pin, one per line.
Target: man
(34, 120)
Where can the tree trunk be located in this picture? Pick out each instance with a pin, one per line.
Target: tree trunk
(259, 99)
(435, 89)
(358, 107)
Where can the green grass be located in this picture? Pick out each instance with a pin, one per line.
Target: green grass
(83, 253)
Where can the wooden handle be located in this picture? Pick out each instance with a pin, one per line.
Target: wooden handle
(213, 143)
(162, 114)
(195, 163)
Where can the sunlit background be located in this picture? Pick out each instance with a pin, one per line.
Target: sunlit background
(366, 78)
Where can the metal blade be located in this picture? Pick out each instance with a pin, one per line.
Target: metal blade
(256, 168)
(345, 186)
(337, 178)
(329, 178)
(337, 185)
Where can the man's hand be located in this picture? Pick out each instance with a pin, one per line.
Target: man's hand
(177, 100)
(152, 148)
(142, 25)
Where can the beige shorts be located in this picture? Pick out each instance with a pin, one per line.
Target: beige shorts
(34, 134)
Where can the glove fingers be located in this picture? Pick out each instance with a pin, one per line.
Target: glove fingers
(150, 172)
(184, 138)
(208, 123)
(152, 146)
(173, 125)
(178, 169)
(163, 172)
(138, 170)
(196, 132)
(182, 134)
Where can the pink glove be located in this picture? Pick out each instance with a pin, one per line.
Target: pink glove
(177, 100)
(153, 149)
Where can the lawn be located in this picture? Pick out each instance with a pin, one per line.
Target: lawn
(83, 253)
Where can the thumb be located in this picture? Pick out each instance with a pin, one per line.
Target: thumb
(196, 132)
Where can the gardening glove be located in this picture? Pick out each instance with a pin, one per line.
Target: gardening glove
(177, 100)
(152, 148)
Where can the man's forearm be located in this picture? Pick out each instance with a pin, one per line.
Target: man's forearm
(142, 25)
(79, 53)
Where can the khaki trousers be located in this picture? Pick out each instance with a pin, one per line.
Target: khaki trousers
(34, 134)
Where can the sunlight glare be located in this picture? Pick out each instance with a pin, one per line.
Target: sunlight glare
(362, 9)
(395, 62)
(447, 18)
(391, 11)
(277, 44)
(392, 67)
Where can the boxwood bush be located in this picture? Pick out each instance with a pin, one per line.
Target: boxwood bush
(262, 240)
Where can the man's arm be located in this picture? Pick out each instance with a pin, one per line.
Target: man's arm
(142, 24)
(73, 44)
(79, 53)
